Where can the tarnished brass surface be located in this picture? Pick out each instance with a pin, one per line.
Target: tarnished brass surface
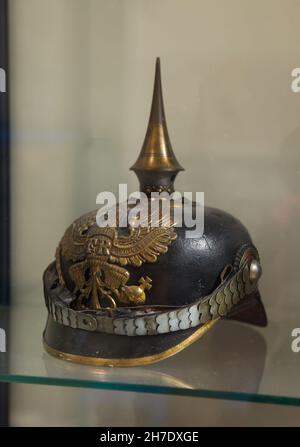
(100, 255)
(157, 156)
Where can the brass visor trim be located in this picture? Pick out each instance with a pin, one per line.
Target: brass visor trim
(93, 361)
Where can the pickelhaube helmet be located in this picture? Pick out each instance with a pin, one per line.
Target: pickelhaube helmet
(133, 295)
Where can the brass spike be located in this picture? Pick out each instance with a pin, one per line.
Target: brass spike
(157, 166)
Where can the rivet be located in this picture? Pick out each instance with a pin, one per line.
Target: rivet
(255, 271)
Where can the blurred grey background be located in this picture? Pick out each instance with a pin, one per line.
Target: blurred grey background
(81, 85)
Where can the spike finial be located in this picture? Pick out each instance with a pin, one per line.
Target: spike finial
(157, 166)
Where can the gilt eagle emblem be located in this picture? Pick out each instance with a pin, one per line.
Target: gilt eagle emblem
(100, 255)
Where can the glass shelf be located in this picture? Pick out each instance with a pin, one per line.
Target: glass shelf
(232, 361)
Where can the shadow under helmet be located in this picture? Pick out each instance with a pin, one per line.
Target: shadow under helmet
(134, 295)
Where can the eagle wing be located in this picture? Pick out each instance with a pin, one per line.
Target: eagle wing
(114, 275)
(141, 245)
(77, 273)
(73, 243)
